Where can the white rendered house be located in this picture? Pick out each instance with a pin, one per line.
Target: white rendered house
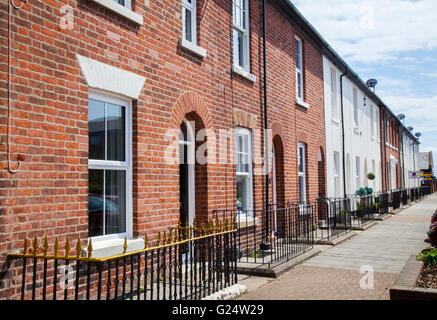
(347, 171)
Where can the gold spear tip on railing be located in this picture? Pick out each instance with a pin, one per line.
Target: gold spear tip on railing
(170, 236)
(67, 247)
(164, 238)
(159, 239)
(78, 248)
(145, 241)
(125, 245)
(90, 248)
(46, 246)
(56, 246)
(35, 246)
(202, 228)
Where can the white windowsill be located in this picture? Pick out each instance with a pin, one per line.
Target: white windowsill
(302, 103)
(107, 248)
(240, 71)
(244, 222)
(121, 10)
(192, 48)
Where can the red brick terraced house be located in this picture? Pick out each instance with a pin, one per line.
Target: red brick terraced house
(105, 105)
(390, 154)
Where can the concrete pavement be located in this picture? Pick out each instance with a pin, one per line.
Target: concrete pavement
(335, 273)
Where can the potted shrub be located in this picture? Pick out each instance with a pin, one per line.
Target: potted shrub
(265, 245)
(432, 234)
(371, 176)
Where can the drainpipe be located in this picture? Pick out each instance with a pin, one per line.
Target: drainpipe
(342, 131)
(266, 126)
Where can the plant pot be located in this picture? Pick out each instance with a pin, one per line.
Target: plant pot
(264, 246)
(233, 253)
(432, 234)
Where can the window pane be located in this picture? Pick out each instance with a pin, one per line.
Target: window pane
(299, 85)
(238, 48)
(120, 2)
(242, 193)
(95, 202)
(298, 54)
(115, 202)
(301, 160)
(96, 129)
(302, 189)
(238, 13)
(115, 123)
(240, 143)
(188, 31)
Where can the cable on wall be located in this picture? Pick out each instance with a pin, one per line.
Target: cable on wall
(17, 7)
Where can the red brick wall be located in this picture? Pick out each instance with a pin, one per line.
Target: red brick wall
(49, 98)
(391, 138)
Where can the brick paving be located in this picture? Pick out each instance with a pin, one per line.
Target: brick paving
(320, 283)
(335, 273)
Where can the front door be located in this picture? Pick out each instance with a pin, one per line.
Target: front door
(186, 174)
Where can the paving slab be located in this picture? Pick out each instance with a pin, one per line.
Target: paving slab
(335, 273)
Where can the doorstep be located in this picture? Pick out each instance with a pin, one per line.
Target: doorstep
(404, 287)
(366, 226)
(274, 270)
(337, 240)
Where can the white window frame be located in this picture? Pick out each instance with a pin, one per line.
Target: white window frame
(355, 106)
(302, 145)
(249, 191)
(127, 3)
(244, 30)
(334, 102)
(299, 71)
(337, 173)
(358, 172)
(192, 8)
(118, 165)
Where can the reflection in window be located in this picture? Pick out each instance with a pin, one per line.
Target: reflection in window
(107, 173)
(244, 170)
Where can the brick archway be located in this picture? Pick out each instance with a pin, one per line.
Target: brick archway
(191, 107)
(190, 102)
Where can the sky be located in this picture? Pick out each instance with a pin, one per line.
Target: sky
(393, 41)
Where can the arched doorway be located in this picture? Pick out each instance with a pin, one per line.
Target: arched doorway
(193, 177)
(278, 187)
(321, 173)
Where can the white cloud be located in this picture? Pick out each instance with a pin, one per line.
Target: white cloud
(431, 75)
(373, 30)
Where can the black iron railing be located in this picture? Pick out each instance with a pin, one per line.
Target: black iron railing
(396, 199)
(404, 197)
(175, 269)
(290, 232)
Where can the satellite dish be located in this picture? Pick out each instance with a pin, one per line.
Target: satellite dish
(371, 83)
(401, 116)
(410, 128)
(418, 134)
